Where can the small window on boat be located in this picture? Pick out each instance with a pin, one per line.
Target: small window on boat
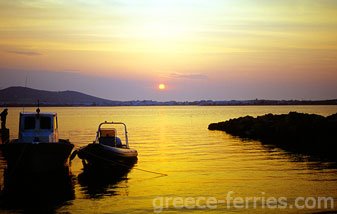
(29, 123)
(45, 123)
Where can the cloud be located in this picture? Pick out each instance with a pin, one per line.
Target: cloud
(27, 53)
(189, 76)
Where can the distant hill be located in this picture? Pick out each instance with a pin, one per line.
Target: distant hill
(14, 96)
(22, 96)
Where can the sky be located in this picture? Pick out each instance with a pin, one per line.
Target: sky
(200, 49)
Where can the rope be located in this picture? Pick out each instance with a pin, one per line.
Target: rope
(124, 165)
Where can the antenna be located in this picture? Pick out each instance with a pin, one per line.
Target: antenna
(23, 107)
(38, 107)
(26, 80)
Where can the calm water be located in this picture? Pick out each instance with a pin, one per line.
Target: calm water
(199, 162)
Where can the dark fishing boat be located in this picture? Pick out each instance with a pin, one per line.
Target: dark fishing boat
(38, 147)
(108, 150)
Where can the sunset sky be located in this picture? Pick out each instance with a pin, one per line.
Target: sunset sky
(200, 49)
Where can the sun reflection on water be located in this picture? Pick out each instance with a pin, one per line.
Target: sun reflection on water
(199, 162)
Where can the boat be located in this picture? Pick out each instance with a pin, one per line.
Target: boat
(38, 147)
(107, 150)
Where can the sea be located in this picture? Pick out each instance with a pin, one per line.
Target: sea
(183, 167)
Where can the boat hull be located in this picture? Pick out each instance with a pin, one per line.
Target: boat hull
(98, 155)
(31, 157)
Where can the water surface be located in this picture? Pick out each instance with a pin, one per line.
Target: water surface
(199, 162)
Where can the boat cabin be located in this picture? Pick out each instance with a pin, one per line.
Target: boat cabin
(108, 136)
(38, 127)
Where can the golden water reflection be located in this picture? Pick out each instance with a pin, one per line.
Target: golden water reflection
(199, 162)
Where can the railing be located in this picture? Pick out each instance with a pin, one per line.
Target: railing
(105, 122)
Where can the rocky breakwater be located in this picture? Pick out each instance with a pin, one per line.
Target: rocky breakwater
(305, 133)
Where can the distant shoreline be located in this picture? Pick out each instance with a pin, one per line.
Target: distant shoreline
(46, 105)
(28, 97)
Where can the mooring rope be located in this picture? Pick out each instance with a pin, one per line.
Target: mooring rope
(124, 165)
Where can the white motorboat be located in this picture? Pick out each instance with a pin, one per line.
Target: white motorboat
(108, 149)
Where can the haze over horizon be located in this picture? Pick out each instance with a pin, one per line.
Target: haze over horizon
(219, 50)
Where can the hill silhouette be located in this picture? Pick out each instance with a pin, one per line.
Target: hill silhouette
(14, 96)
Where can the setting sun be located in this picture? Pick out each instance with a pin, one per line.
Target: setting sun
(161, 86)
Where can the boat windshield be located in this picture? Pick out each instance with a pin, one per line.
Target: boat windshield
(45, 123)
(29, 123)
(108, 132)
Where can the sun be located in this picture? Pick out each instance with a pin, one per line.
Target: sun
(161, 86)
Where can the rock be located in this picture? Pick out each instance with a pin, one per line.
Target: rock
(305, 133)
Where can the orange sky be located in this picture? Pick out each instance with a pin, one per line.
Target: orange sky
(233, 49)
